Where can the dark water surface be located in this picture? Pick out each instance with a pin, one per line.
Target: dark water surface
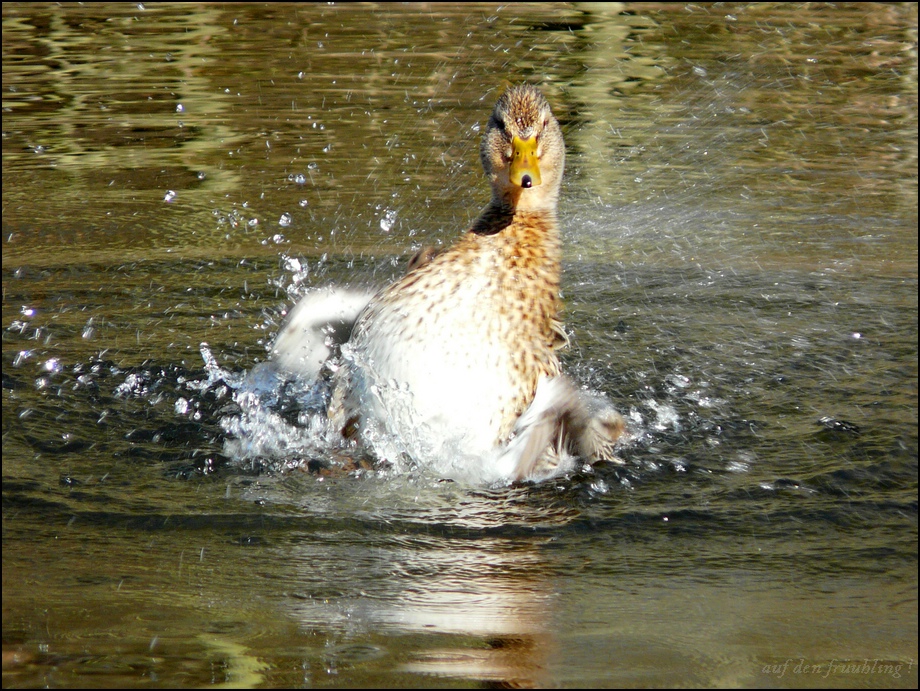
(740, 219)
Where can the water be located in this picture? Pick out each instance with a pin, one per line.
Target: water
(739, 212)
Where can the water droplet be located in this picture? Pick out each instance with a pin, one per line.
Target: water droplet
(285, 220)
(303, 203)
(679, 380)
(389, 218)
(292, 264)
(180, 108)
(600, 487)
(170, 196)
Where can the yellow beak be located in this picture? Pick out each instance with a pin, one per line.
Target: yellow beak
(525, 170)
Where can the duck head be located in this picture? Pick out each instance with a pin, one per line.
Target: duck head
(523, 152)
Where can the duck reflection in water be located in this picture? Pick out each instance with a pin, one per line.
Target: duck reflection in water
(455, 364)
(438, 605)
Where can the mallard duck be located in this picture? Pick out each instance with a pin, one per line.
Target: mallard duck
(457, 359)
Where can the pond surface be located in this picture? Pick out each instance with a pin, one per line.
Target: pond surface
(740, 225)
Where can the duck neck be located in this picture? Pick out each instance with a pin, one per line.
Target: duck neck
(539, 198)
(527, 240)
(499, 215)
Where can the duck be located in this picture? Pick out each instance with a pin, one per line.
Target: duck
(456, 362)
